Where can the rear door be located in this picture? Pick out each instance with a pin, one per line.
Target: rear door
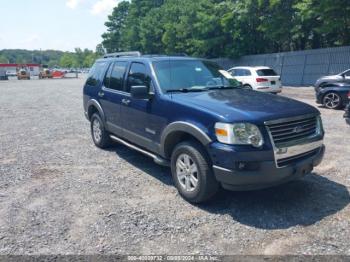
(111, 96)
(137, 113)
(242, 75)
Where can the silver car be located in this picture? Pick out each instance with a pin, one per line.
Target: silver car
(342, 77)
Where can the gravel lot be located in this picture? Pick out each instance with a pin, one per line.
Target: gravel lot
(59, 194)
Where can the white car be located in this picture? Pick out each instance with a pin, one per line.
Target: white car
(260, 78)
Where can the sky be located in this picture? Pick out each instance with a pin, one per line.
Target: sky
(53, 24)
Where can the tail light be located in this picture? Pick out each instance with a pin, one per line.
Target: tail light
(259, 80)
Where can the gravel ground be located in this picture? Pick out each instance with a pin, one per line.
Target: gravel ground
(59, 194)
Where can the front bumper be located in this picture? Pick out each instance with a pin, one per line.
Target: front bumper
(265, 173)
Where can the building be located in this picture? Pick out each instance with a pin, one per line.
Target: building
(34, 69)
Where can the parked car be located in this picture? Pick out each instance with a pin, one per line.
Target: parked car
(188, 114)
(342, 77)
(23, 74)
(45, 73)
(347, 112)
(333, 95)
(11, 73)
(258, 78)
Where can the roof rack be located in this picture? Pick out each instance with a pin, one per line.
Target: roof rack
(120, 54)
(165, 55)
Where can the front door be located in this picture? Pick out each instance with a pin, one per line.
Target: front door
(137, 113)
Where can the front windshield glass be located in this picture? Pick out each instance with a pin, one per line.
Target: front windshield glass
(191, 75)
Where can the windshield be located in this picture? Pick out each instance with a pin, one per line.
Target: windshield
(191, 75)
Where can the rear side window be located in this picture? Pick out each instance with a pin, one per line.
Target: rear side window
(266, 72)
(242, 72)
(115, 76)
(138, 76)
(96, 73)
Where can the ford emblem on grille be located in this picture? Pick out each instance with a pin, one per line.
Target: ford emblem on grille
(298, 129)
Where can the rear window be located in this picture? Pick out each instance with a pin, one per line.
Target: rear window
(266, 72)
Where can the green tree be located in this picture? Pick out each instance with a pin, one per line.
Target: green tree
(112, 39)
(230, 28)
(3, 59)
(100, 51)
(68, 61)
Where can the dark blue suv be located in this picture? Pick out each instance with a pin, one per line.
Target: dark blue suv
(191, 115)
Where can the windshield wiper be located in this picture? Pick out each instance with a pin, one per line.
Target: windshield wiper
(186, 90)
(222, 87)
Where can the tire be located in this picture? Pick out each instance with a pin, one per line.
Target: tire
(332, 100)
(99, 134)
(185, 179)
(247, 87)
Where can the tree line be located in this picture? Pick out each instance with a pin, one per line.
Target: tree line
(52, 58)
(227, 28)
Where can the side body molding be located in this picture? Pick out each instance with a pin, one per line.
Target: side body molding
(186, 128)
(95, 103)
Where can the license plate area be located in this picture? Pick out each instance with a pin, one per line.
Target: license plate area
(273, 82)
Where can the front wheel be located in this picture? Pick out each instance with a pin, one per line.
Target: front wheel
(191, 172)
(332, 100)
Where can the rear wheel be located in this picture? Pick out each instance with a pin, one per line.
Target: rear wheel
(191, 173)
(99, 134)
(332, 100)
(248, 87)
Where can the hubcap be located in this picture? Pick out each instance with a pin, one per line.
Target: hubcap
(187, 172)
(331, 100)
(96, 130)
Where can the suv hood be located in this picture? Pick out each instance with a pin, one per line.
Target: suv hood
(236, 105)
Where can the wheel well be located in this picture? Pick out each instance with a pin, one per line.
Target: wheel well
(92, 110)
(175, 138)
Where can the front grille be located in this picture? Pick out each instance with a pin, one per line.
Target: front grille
(293, 159)
(293, 130)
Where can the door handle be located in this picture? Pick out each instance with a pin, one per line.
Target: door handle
(101, 94)
(126, 101)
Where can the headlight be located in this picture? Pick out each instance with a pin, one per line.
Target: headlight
(239, 134)
(319, 126)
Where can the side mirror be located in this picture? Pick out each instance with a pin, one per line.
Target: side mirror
(140, 92)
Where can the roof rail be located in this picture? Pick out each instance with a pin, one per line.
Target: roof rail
(120, 54)
(165, 55)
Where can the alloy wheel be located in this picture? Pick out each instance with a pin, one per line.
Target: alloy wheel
(331, 100)
(187, 172)
(96, 130)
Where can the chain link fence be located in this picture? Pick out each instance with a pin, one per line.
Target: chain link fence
(300, 68)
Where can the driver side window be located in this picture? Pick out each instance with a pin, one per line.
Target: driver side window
(137, 76)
